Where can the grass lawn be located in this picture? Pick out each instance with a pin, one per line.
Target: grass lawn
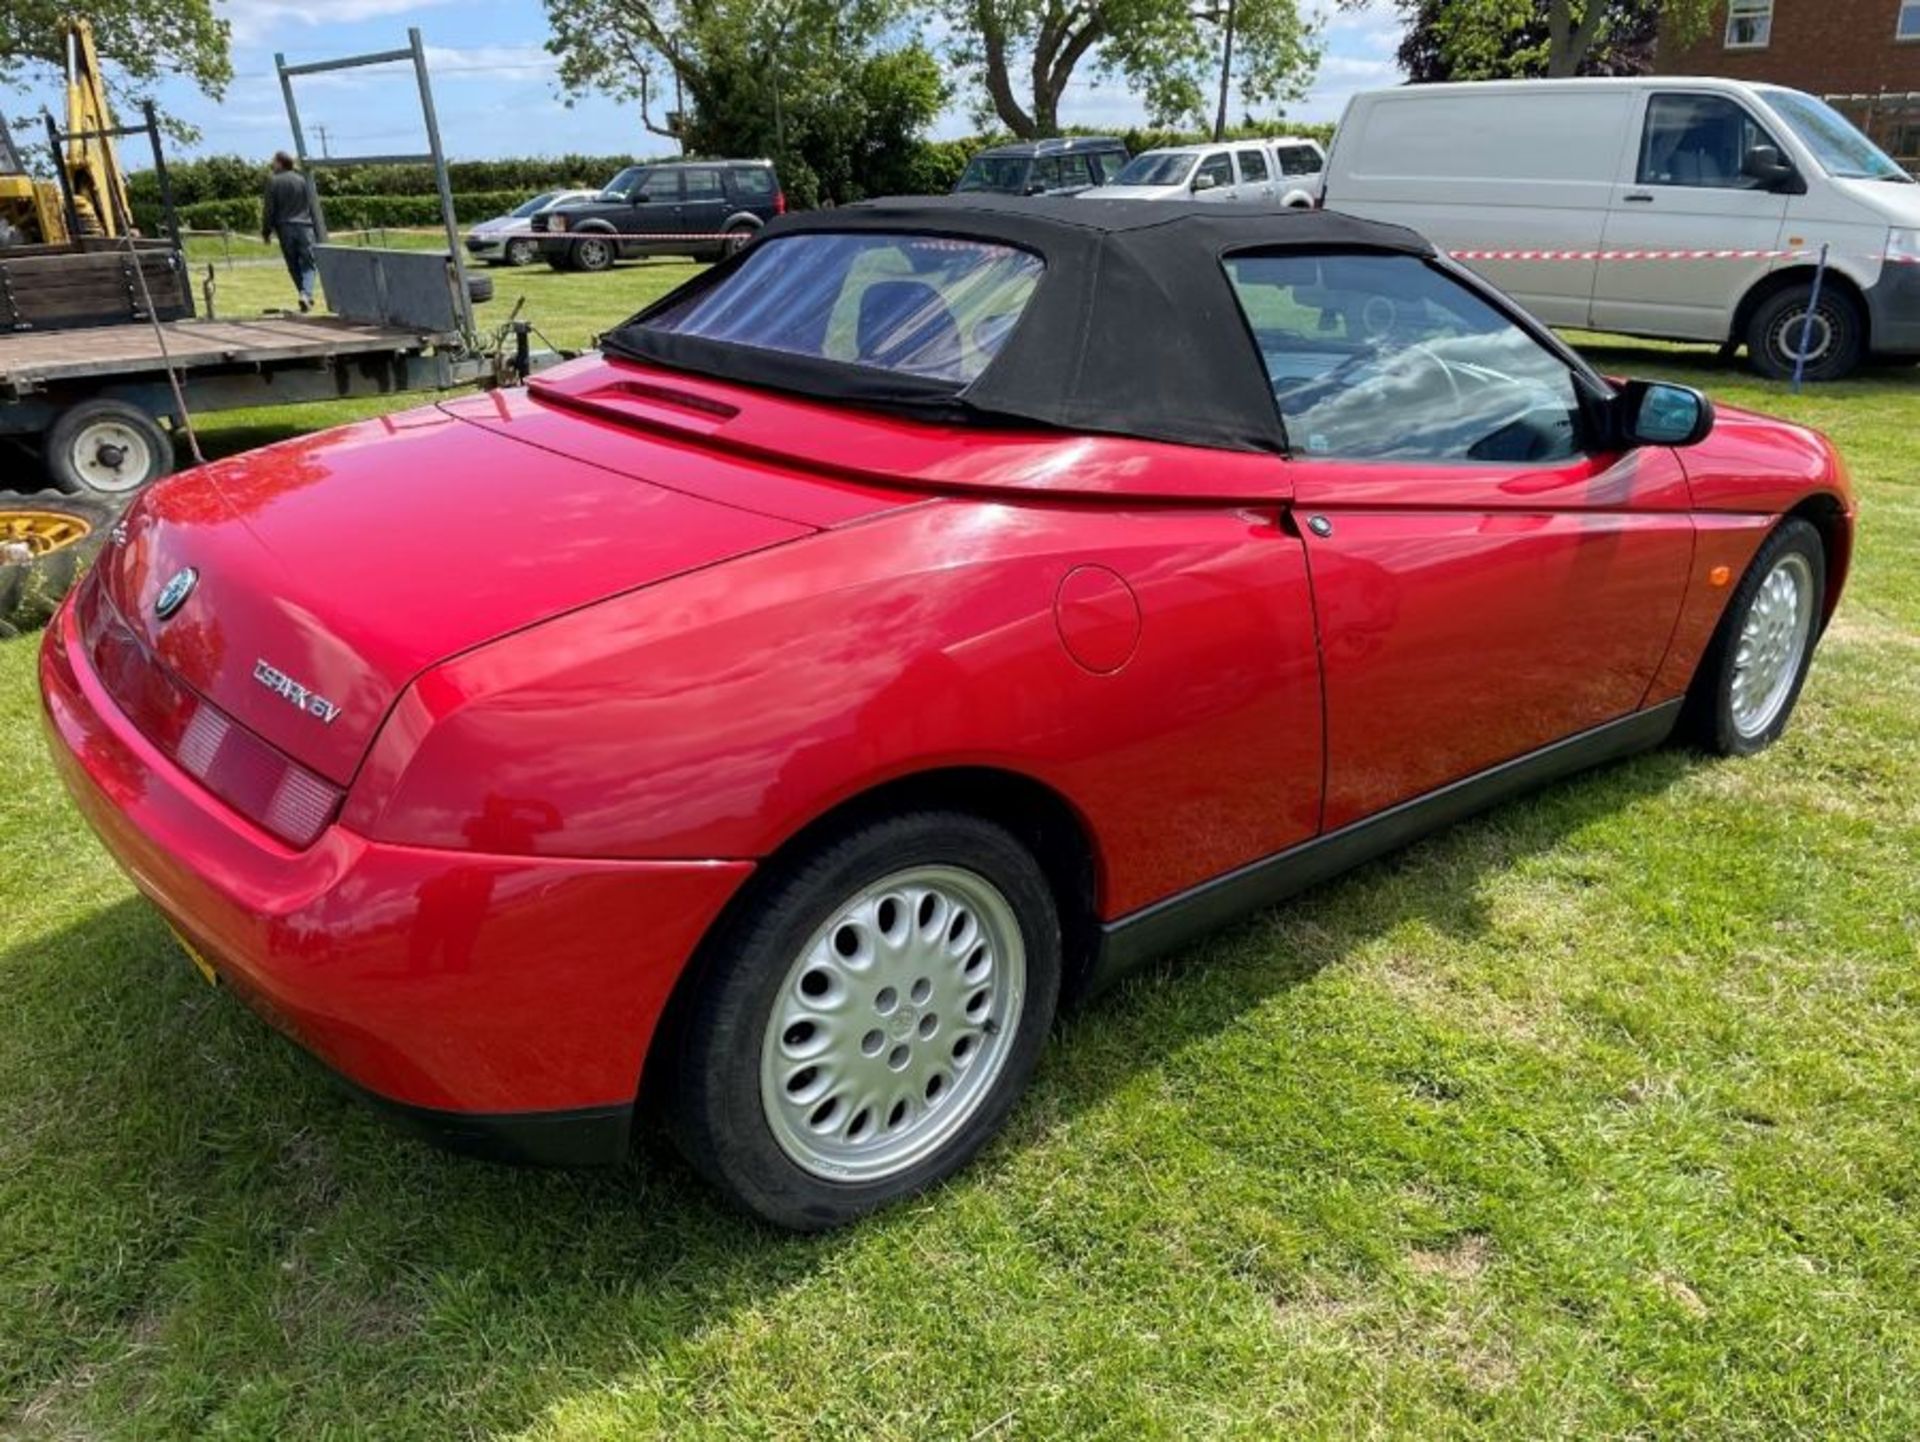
(1593, 1117)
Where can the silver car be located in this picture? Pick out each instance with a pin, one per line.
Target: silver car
(508, 239)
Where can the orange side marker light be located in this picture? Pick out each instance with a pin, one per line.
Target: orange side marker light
(1720, 575)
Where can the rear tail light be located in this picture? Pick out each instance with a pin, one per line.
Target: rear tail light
(256, 779)
(779, 202)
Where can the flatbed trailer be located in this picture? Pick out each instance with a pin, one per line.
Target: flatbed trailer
(97, 404)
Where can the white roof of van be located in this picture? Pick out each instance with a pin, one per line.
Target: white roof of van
(1594, 82)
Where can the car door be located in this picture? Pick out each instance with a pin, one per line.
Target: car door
(1256, 177)
(1683, 188)
(1487, 579)
(703, 200)
(1213, 178)
(656, 209)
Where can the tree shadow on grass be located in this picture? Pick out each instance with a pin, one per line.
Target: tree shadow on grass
(279, 1252)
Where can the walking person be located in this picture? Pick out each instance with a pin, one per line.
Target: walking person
(287, 215)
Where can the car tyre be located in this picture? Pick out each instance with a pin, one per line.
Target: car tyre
(521, 252)
(1835, 347)
(864, 1022)
(1750, 678)
(46, 541)
(106, 448)
(736, 239)
(592, 253)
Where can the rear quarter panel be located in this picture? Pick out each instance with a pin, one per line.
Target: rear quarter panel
(716, 715)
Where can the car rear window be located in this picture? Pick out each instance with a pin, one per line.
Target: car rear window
(753, 180)
(917, 305)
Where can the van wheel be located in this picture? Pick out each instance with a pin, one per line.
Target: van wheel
(1833, 343)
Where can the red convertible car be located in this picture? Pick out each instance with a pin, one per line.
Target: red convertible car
(936, 608)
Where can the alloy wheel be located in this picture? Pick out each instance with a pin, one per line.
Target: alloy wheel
(1772, 644)
(893, 1023)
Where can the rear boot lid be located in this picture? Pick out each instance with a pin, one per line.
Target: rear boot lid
(331, 570)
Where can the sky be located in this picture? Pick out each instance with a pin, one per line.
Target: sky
(495, 90)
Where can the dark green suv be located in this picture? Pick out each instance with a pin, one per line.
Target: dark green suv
(699, 208)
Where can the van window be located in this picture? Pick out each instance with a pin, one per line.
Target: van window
(1218, 166)
(1108, 164)
(1253, 165)
(704, 185)
(1384, 357)
(1841, 150)
(1698, 140)
(1045, 173)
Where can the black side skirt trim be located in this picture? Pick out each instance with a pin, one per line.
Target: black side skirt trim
(1167, 925)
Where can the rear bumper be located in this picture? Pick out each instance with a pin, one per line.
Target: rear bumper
(1893, 310)
(503, 1004)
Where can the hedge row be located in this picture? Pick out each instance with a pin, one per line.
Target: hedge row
(228, 177)
(343, 212)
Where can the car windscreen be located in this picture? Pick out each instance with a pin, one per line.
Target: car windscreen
(1002, 173)
(626, 182)
(1843, 152)
(916, 305)
(538, 203)
(1160, 167)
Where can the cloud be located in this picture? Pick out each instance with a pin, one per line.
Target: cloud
(259, 21)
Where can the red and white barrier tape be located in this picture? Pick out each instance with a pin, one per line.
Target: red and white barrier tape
(1724, 254)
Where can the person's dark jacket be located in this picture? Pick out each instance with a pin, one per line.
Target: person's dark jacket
(287, 203)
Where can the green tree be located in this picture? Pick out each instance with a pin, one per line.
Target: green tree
(1528, 39)
(1024, 53)
(142, 39)
(836, 91)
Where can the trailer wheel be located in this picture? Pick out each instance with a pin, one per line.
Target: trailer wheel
(106, 448)
(479, 289)
(46, 541)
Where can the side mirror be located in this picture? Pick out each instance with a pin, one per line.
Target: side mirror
(639, 197)
(1203, 181)
(1655, 413)
(1765, 164)
(1034, 187)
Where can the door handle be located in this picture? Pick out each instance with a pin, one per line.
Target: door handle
(1638, 195)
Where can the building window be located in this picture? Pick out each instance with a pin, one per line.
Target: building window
(1750, 23)
(1907, 27)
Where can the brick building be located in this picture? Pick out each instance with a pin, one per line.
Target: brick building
(1862, 55)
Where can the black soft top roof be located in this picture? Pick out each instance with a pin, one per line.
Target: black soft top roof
(1132, 330)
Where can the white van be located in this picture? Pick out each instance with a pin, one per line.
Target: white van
(1654, 163)
(1287, 169)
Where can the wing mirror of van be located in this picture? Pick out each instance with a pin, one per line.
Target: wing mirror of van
(1767, 165)
(1203, 181)
(1657, 413)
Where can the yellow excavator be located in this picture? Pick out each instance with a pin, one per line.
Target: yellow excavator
(32, 211)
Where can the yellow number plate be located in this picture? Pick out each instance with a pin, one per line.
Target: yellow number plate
(200, 963)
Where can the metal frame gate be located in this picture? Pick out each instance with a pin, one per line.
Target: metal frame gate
(435, 155)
